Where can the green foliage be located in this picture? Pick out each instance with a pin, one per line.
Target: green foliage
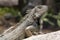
(4, 10)
(46, 18)
(58, 19)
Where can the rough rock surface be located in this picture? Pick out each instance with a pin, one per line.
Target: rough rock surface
(48, 36)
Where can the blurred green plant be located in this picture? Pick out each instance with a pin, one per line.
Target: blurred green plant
(4, 10)
(46, 18)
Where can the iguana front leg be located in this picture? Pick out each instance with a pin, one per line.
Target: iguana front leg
(30, 30)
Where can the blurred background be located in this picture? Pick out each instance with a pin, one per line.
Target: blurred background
(12, 11)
